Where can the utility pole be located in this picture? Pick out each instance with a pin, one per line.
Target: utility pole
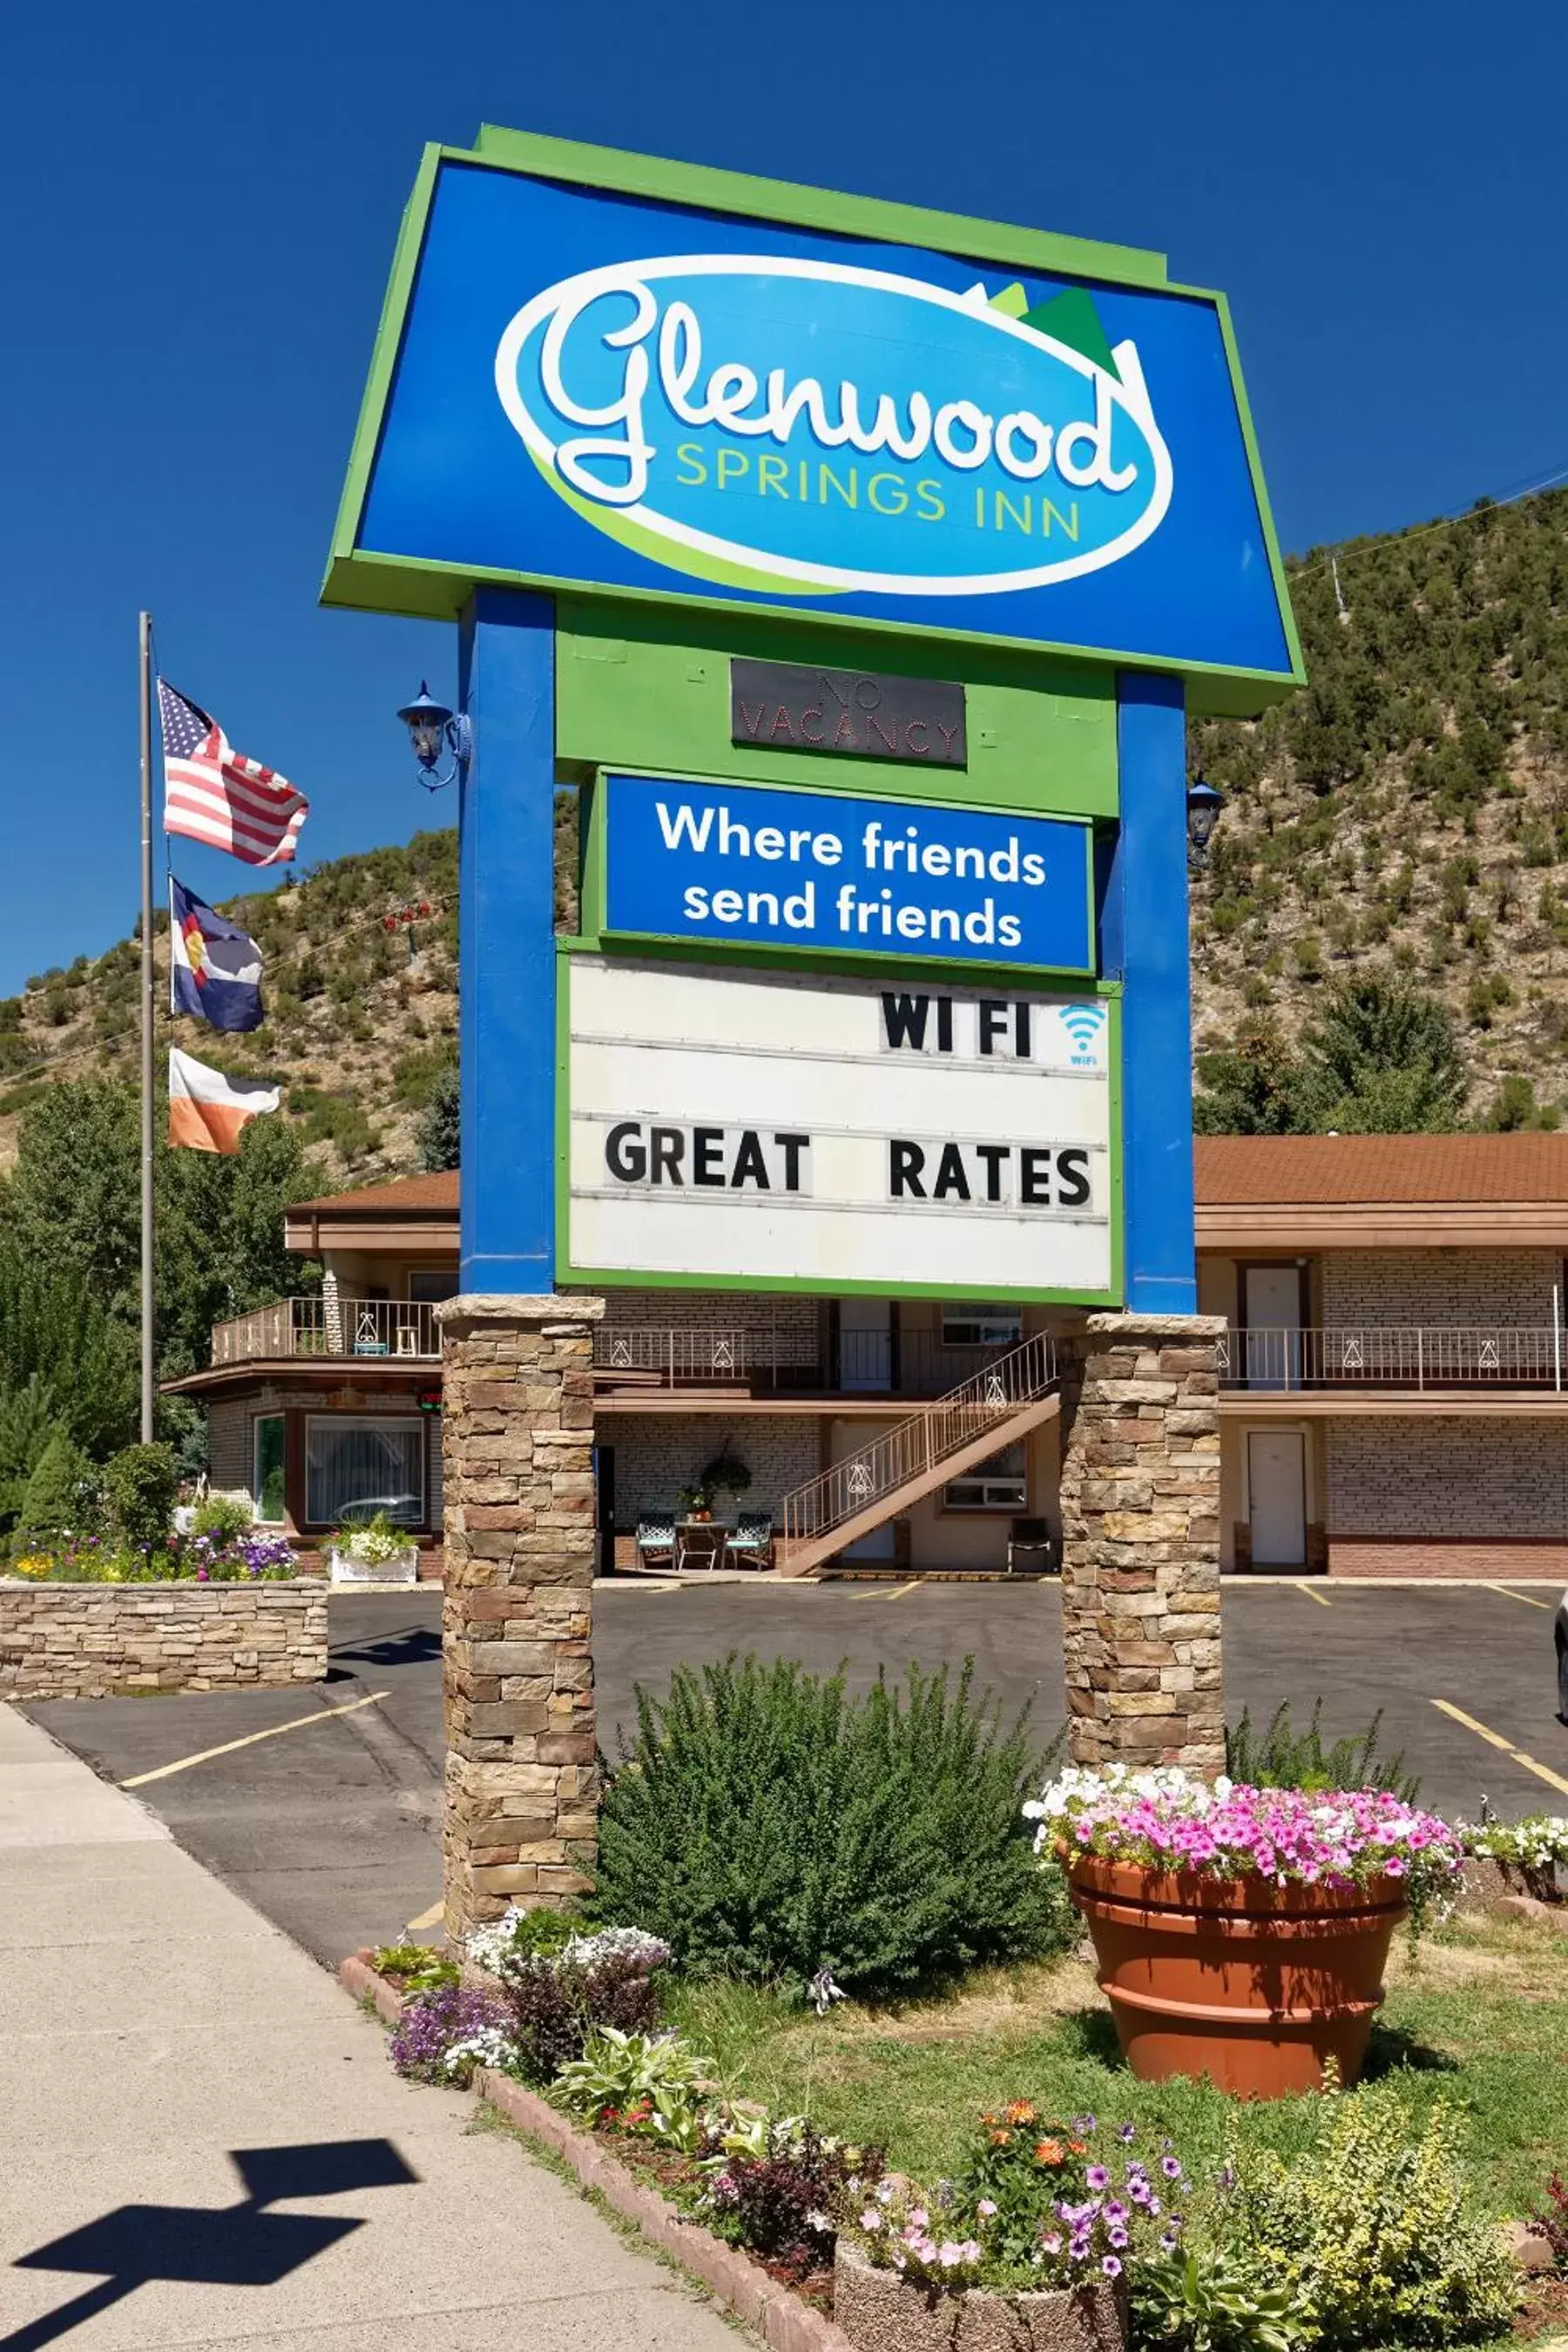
(149, 1388)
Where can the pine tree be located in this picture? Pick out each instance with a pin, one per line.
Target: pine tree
(52, 1505)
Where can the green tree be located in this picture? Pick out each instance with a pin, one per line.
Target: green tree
(1381, 1060)
(57, 1341)
(438, 1130)
(1250, 1088)
(30, 1417)
(53, 1502)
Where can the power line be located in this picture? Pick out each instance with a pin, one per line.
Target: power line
(1343, 552)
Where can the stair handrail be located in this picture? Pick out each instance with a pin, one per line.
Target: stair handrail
(999, 1389)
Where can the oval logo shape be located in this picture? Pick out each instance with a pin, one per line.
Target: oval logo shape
(790, 425)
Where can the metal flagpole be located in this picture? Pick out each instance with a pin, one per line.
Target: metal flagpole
(149, 1397)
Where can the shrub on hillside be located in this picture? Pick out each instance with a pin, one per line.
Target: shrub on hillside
(768, 1826)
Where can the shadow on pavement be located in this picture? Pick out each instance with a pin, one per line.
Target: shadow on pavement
(229, 2245)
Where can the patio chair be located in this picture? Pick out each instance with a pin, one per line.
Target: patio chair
(656, 1543)
(1032, 1538)
(752, 1539)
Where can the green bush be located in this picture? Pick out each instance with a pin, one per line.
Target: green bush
(767, 1825)
(1282, 1758)
(139, 1482)
(1370, 2233)
(227, 1517)
(58, 1496)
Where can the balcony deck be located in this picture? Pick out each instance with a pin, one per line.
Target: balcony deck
(1499, 1368)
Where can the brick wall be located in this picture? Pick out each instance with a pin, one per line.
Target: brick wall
(656, 1454)
(796, 1323)
(229, 1464)
(1449, 1288)
(95, 1641)
(1426, 1480)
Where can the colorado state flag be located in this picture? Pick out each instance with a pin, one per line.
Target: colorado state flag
(214, 967)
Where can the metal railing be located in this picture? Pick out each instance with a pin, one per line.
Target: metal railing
(674, 1355)
(330, 1325)
(908, 1363)
(987, 1398)
(1419, 1356)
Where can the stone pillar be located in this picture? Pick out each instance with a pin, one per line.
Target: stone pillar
(1140, 1500)
(522, 1781)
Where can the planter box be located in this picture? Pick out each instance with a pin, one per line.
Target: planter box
(1249, 1983)
(103, 1641)
(402, 1568)
(880, 2312)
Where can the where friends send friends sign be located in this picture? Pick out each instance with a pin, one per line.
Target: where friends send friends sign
(827, 871)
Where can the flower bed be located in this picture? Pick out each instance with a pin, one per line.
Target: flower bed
(106, 1637)
(1048, 2234)
(248, 1559)
(1530, 1857)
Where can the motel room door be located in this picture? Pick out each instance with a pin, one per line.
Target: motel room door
(1276, 1497)
(1271, 1313)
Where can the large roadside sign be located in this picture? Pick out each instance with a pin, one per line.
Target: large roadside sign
(745, 1129)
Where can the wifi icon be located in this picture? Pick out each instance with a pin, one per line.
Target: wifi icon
(1083, 1024)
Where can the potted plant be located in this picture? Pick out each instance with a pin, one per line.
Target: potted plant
(697, 1501)
(1031, 2245)
(1242, 1933)
(375, 1552)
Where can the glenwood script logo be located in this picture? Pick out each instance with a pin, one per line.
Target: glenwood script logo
(773, 424)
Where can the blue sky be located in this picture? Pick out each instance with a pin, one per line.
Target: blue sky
(200, 204)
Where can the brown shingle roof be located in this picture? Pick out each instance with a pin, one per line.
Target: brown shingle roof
(1324, 1170)
(410, 1196)
(1232, 1171)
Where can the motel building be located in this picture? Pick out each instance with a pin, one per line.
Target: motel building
(1391, 1385)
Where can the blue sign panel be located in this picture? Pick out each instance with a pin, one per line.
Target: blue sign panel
(599, 389)
(847, 873)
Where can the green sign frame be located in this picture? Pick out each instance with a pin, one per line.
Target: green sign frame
(367, 579)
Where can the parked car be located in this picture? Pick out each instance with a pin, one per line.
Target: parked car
(1562, 1631)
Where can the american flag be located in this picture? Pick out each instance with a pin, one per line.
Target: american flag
(213, 795)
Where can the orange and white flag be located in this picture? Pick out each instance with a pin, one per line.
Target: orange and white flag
(208, 1111)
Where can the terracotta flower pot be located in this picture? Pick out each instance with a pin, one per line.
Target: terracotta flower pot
(1252, 1984)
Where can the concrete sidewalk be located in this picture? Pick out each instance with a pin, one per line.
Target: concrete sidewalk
(203, 2143)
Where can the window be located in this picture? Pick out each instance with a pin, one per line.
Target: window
(432, 1283)
(267, 1480)
(355, 1468)
(981, 1327)
(1002, 1484)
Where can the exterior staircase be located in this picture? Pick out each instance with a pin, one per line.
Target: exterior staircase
(993, 1408)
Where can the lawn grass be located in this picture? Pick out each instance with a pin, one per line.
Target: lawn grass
(1477, 2015)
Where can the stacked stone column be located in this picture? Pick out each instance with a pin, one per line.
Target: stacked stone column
(1139, 1502)
(522, 1784)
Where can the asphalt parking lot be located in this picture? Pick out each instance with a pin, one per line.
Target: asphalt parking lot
(323, 1807)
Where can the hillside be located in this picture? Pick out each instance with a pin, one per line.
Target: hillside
(1410, 807)
(361, 997)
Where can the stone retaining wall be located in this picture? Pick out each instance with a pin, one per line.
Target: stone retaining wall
(103, 1641)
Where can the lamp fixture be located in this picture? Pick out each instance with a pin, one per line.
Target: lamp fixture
(1204, 805)
(432, 728)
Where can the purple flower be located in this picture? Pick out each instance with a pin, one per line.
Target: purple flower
(1169, 2168)
(1127, 2132)
(1119, 2238)
(1111, 2267)
(433, 2021)
(1096, 2177)
(1083, 2125)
